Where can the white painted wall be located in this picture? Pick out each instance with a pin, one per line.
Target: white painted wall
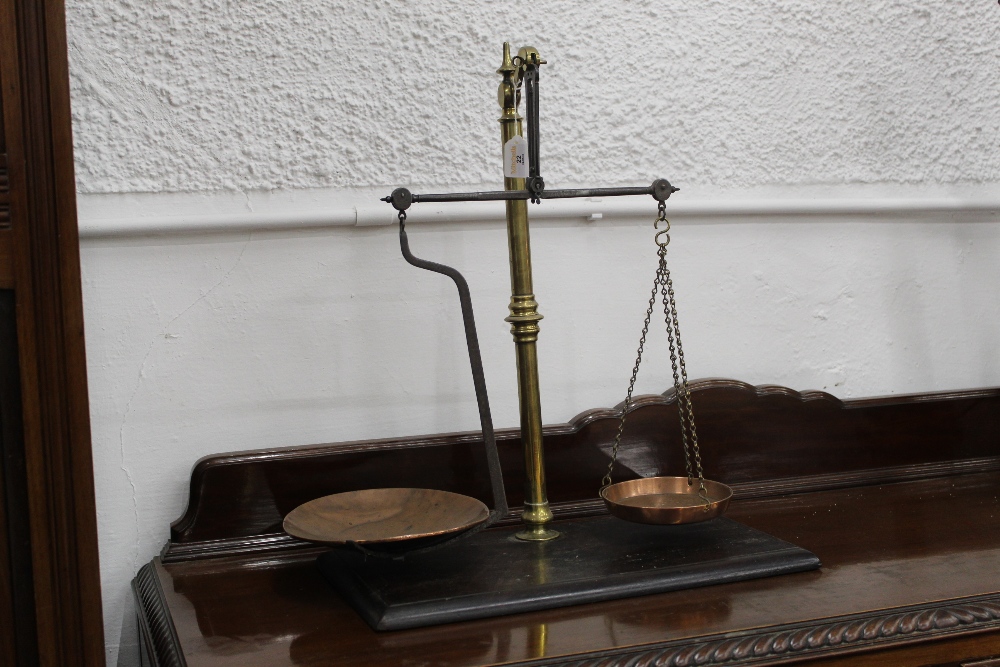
(241, 328)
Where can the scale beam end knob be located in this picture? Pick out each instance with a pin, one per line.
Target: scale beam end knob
(662, 189)
(401, 198)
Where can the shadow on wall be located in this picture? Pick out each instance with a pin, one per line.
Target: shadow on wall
(128, 641)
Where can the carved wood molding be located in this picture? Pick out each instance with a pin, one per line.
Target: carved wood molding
(844, 635)
(157, 630)
(771, 390)
(765, 441)
(669, 398)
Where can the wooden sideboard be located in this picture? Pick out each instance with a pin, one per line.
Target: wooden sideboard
(898, 496)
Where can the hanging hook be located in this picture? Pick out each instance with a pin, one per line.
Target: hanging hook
(661, 216)
(662, 232)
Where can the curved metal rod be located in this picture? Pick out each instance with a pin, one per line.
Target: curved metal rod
(476, 361)
(500, 509)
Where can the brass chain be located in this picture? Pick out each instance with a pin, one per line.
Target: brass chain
(664, 285)
(685, 409)
(606, 481)
(679, 393)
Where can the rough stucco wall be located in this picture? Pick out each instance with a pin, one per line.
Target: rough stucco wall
(198, 345)
(268, 94)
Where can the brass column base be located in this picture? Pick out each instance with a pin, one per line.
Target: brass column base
(537, 534)
(536, 519)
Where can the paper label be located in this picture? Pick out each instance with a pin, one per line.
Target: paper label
(515, 158)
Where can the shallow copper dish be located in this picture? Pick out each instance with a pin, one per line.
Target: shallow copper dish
(665, 500)
(380, 516)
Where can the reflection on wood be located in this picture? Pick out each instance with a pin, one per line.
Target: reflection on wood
(892, 561)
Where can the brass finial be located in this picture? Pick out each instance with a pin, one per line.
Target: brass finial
(507, 96)
(508, 65)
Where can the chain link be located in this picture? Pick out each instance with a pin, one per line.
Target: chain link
(679, 394)
(606, 481)
(664, 286)
(681, 388)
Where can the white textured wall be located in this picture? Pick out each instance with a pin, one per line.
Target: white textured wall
(226, 94)
(200, 344)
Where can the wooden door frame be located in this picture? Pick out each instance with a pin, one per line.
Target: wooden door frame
(40, 261)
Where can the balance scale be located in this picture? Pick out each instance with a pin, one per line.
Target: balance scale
(407, 558)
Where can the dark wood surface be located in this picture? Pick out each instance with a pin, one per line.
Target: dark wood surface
(39, 262)
(899, 497)
(759, 440)
(902, 563)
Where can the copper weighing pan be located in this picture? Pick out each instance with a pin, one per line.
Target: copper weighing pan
(665, 500)
(384, 516)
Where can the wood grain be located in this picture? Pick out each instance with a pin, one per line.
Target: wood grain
(6, 256)
(4, 175)
(42, 266)
(762, 441)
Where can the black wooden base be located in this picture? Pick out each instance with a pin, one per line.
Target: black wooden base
(494, 574)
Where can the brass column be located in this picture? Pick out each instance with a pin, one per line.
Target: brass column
(524, 317)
